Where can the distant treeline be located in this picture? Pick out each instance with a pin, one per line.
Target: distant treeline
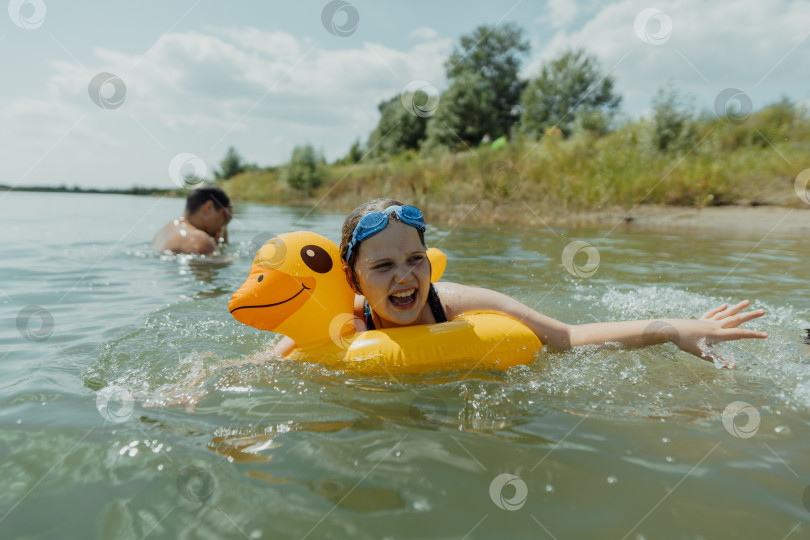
(76, 189)
(558, 137)
(677, 158)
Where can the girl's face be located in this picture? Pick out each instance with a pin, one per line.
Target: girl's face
(393, 272)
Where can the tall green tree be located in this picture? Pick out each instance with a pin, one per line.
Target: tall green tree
(495, 53)
(397, 131)
(569, 86)
(464, 114)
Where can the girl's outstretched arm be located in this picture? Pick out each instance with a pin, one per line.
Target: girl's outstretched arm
(690, 335)
(694, 336)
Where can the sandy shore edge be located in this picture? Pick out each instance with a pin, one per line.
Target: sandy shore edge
(762, 220)
(767, 220)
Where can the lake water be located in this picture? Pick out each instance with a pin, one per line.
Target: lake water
(588, 443)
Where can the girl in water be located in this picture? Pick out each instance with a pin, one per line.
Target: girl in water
(383, 251)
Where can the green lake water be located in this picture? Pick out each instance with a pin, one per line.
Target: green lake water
(101, 339)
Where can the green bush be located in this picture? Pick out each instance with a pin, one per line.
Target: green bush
(306, 170)
(567, 86)
(673, 119)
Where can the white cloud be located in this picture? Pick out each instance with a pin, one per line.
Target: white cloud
(279, 45)
(561, 12)
(266, 91)
(424, 33)
(201, 92)
(748, 45)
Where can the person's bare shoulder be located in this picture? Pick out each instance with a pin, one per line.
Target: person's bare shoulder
(163, 236)
(457, 299)
(451, 296)
(183, 239)
(198, 242)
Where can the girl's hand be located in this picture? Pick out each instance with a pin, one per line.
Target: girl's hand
(697, 336)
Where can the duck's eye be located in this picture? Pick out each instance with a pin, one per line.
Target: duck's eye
(316, 258)
(261, 277)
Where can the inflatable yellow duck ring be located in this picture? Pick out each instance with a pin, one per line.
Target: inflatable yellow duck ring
(297, 287)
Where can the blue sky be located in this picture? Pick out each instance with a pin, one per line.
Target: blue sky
(197, 76)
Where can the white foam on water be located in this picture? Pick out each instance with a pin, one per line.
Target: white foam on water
(781, 361)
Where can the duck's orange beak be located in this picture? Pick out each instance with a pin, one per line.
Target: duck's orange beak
(269, 297)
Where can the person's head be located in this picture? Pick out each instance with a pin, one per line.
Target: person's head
(208, 208)
(385, 259)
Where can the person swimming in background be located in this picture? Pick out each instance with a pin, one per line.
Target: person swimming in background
(201, 228)
(384, 258)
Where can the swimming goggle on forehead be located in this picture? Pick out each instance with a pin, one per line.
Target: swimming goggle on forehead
(374, 222)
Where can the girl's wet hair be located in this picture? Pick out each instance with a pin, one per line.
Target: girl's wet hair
(354, 218)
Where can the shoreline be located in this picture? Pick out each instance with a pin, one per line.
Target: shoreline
(765, 220)
(745, 220)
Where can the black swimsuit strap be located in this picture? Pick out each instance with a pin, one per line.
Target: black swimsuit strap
(367, 318)
(433, 301)
(436, 305)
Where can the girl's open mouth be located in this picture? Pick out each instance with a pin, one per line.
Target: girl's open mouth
(404, 299)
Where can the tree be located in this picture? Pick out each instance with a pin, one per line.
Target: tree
(306, 170)
(593, 121)
(231, 165)
(464, 114)
(672, 119)
(494, 53)
(355, 153)
(567, 87)
(397, 131)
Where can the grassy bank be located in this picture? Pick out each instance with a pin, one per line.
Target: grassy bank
(714, 162)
